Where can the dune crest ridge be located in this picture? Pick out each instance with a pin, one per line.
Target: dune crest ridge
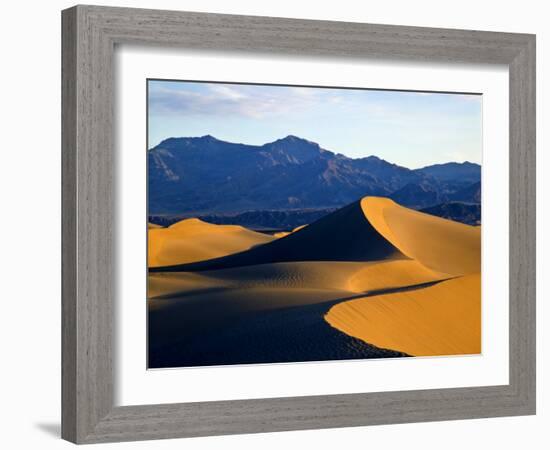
(344, 235)
(440, 319)
(439, 244)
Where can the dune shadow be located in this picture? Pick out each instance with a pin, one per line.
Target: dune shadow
(286, 334)
(344, 235)
(189, 293)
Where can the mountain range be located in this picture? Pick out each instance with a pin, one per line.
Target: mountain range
(206, 176)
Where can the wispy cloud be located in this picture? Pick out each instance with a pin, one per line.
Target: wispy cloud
(220, 99)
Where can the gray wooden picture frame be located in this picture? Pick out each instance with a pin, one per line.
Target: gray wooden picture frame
(90, 34)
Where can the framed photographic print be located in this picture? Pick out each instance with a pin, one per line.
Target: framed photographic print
(268, 222)
(284, 251)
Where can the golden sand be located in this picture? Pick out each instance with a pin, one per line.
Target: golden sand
(440, 244)
(391, 275)
(342, 277)
(281, 234)
(375, 281)
(192, 240)
(444, 319)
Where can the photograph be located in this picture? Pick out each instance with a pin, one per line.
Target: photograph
(298, 223)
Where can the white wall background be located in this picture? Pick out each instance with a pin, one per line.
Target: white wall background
(30, 226)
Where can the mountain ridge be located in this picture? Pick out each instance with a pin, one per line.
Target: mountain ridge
(294, 138)
(208, 175)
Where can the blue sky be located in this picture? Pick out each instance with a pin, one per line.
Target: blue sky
(407, 128)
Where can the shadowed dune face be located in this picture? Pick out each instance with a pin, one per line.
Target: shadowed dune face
(193, 240)
(370, 280)
(344, 235)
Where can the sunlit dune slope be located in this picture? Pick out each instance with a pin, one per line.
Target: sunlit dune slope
(153, 226)
(193, 240)
(341, 277)
(440, 244)
(344, 235)
(443, 319)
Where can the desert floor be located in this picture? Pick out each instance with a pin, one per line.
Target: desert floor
(371, 280)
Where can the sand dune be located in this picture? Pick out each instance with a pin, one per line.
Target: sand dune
(192, 240)
(439, 244)
(372, 229)
(443, 319)
(340, 277)
(153, 226)
(372, 279)
(344, 235)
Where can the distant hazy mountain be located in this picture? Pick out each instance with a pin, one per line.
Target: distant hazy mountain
(469, 194)
(418, 195)
(466, 172)
(261, 220)
(469, 213)
(207, 176)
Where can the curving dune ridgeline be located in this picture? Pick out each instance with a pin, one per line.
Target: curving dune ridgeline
(443, 319)
(437, 243)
